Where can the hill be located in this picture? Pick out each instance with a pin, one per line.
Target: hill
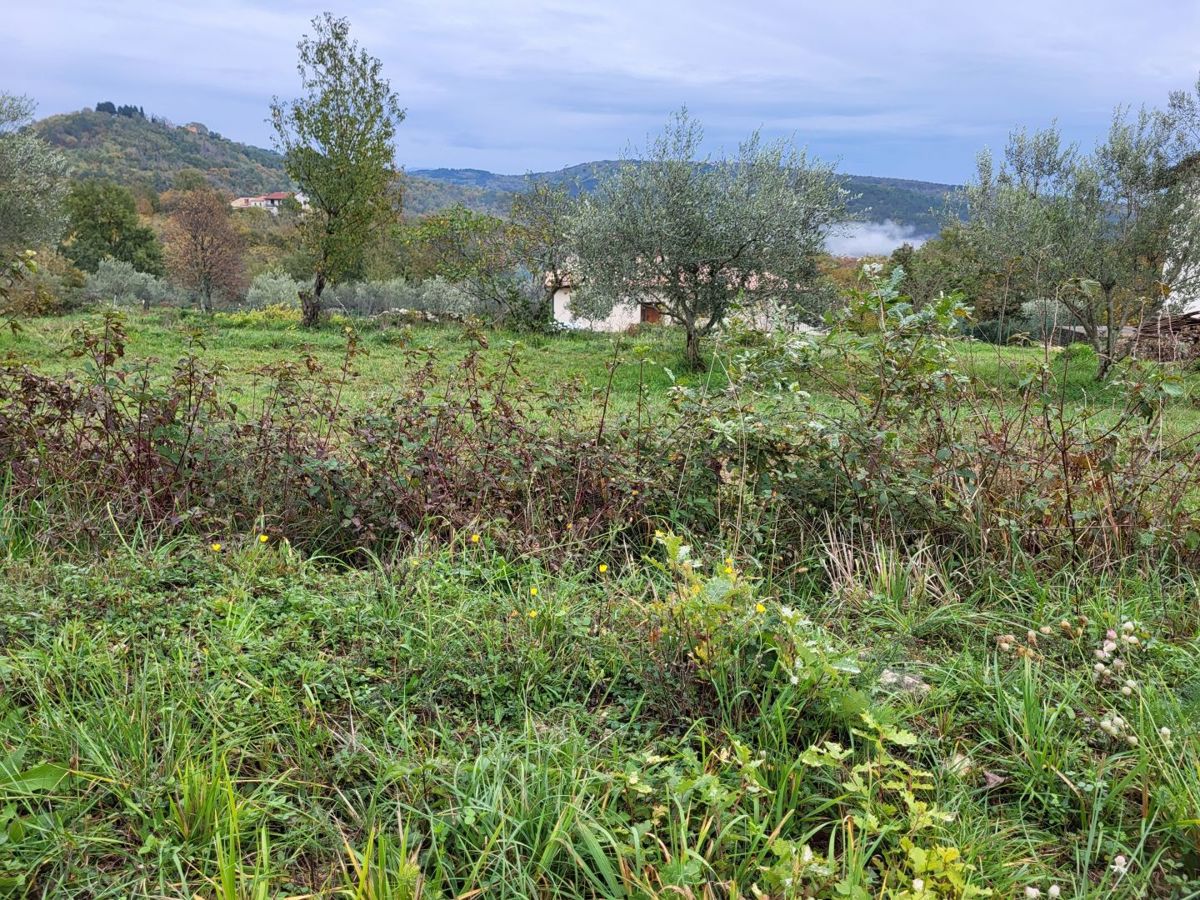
(920, 205)
(149, 152)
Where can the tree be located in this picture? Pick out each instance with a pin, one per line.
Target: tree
(457, 244)
(337, 145)
(104, 222)
(944, 264)
(1107, 234)
(700, 236)
(203, 249)
(33, 182)
(541, 217)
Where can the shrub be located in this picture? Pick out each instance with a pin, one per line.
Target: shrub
(274, 288)
(433, 295)
(119, 283)
(908, 448)
(50, 288)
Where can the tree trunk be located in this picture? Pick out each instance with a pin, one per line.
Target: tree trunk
(692, 354)
(310, 303)
(1108, 353)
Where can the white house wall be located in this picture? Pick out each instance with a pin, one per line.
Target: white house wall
(622, 317)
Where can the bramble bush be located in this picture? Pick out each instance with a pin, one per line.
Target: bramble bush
(910, 450)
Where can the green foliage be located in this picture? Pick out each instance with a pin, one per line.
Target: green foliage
(701, 236)
(457, 244)
(452, 638)
(337, 145)
(151, 153)
(104, 223)
(1108, 234)
(274, 288)
(33, 181)
(119, 283)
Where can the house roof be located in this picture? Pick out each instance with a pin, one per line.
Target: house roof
(277, 195)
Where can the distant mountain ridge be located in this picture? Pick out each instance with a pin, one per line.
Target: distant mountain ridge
(921, 205)
(150, 152)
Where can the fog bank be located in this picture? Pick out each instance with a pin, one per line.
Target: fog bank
(873, 238)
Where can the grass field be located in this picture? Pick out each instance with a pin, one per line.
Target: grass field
(246, 342)
(221, 715)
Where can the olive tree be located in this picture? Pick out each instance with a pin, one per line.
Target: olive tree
(33, 182)
(698, 236)
(337, 146)
(1107, 234)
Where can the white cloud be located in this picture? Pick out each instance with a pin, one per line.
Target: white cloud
(873, 238)
(889, 88)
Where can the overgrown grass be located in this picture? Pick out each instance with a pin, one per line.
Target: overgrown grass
(180, 721)
(244, 343)
(397, 629)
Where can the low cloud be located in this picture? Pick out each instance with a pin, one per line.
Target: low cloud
(873, 238)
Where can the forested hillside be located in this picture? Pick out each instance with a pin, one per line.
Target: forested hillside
(150, 152)
(137, 151)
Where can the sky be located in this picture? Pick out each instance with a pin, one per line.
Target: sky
(908, 89)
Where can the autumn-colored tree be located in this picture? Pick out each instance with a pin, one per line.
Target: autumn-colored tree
(204, 250)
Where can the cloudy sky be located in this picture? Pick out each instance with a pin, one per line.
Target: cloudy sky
(907, 89)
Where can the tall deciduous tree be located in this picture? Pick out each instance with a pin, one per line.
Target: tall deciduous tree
(33, 182)
(104, 222)
(203, 249)
(337, 145)
(699, 235)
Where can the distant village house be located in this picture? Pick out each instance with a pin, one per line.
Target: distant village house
(270, 202)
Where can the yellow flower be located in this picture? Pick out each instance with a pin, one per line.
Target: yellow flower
(729, 561)
(759, 608)
(262, 538)
(533, 614)
(603, 568)
(216, 548)
(634, 492)
(474, 539)
(533, 592)
(570, 525)
(729, 570)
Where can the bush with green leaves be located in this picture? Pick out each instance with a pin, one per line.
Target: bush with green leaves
(118, 283)
(435, 295)
(274, 288)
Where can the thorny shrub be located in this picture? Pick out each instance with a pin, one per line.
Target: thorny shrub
(909, 447)
(913, 448)
(115, 447)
